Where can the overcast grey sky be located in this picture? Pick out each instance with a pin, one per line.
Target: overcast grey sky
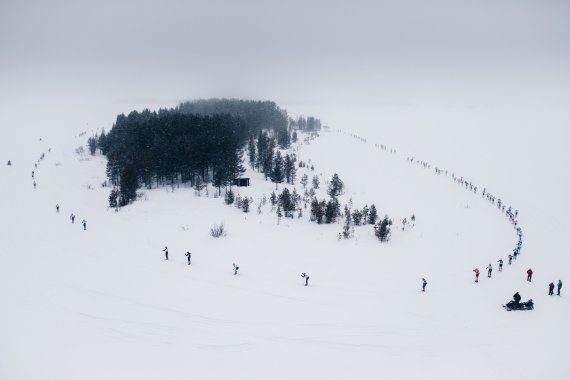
(289, 51)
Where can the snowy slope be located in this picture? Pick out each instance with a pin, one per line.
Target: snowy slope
(104, 304)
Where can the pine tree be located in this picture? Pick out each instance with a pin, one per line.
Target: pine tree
(346, 229)
(304, 180)
(273, 199)
(128, 184)
(277, 173)
(279, 214)
(245, 204)
(316, 182)
(286, 203)
(336, 186)
(356, 217)
(229, 198)
(382, 229)
(331, 211)
(252, 152)
(372, 215)
(114, 198)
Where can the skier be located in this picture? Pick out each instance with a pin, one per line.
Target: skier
(165, 250)
(529, 273)
(559, 286)
(551, 288)
(306, 277)
(34, 184)
(72, 217)
(476, 270)
(424, 283)
(517, 297)
(57, 207)
(9, 163)
(235, 269)
(188, 254)
(510, 259)
(32, 174)
(489, 270)
(500, 265)
(84, 222)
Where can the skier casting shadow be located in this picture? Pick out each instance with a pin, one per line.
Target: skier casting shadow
(306, 277)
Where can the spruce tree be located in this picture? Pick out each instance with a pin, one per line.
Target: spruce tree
(277, 173)
(304, 180)
(382, 229)
(372, 215)
(229, 198)
(336, 186)
(316, 182)
(114, 198)
(252, 152)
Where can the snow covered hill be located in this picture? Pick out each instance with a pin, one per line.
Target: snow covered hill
(104, 304)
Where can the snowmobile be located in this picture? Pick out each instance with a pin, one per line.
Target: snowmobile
(512, 305)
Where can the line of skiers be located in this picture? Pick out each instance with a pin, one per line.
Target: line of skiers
(72, 218)
(304, 275)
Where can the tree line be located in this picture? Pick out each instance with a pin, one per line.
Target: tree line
(201, 142)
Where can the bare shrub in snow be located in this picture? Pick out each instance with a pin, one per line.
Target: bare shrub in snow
(218, 230)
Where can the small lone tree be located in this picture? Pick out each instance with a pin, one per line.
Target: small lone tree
(245, 204)
(229, 198)
(336, 186)
(382, 229)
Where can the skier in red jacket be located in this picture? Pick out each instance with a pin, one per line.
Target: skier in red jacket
(476, 270)
(529, 273)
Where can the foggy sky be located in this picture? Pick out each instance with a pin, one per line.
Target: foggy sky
(288, 51)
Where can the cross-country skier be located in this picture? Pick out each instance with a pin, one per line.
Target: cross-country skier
(9, 163)
(489, 270)
(510, 259)
(84, 222)
(551, 288)
(306, 277)
(189, 255)
(57, 207)
(476, 270)
(517, 297)
(34, 184)
(424, 283)
(235, 269)
(559, 286)
(165, 250)
(72, 217)
(529, 273)
(500, 265)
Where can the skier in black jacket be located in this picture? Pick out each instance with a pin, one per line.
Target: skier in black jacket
(189, 255)
(165, 250)
(306, 277)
